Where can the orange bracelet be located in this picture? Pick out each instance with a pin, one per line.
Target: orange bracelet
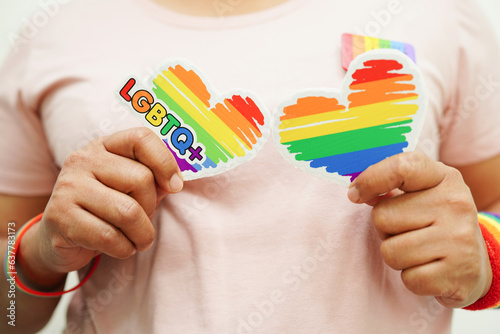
(10, 265)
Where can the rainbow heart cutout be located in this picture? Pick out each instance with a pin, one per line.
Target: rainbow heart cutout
(379, 112)
(208, 133)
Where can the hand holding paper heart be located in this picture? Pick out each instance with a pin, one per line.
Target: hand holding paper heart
(207, 133)
(428, 224)
(112, 188)
(379, 112)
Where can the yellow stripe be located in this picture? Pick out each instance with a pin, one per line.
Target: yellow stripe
(202, 115)
(491, 225)
(339, 114)
(371, 43)
(380, 113)
(494, 228)
(198, 111)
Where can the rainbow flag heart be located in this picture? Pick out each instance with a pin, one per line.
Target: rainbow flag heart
(337, 134)
(208, 133)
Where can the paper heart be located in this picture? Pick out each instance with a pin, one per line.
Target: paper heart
(207, 133)
(338, 134)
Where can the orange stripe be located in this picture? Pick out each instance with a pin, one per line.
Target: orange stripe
(311, 105)
(381, 91)
(358, 45)
(193, 82)
(233, 122)
(405, 77)
(250, 131)
(491, 226)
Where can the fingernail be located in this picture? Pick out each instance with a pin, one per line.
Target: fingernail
(353, 194)
(176, 183)
(134, 252)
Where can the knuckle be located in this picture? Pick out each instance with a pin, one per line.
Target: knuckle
(149, 238)
(387, 250)
(144, 176)
(145, 238)
(67, 233)
(142, 135)
(385, 218)
(129, 210)
(115, 244)
(65, 181)
(454, 174)
(108, 236)
(467, 234)
(76, 159)
(413, 283)
(460, 202)
(405, 165)
(462, 283)
(167, 161)
(459, 294)
(380, 215)
(460, 196)
(122, 254)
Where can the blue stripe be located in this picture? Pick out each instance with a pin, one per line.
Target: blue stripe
(355, 162)
(208, 163)
(398, 46)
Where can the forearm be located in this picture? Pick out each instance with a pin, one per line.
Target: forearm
(29, 313)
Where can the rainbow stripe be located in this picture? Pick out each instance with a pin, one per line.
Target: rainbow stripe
(322, 132)
(227, 130)
(491, 222)
(354, 45)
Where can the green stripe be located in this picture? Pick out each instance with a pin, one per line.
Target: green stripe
(213, 149)
(384, 44)
(349, 141)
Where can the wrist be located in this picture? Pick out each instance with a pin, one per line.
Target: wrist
(31, 264)
(490, 228)
(40, 275)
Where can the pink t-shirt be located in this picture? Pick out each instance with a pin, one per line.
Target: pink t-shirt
(264, 248)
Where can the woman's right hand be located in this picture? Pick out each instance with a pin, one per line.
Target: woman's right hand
(102, 202)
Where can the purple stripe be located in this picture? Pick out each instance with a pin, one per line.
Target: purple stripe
(183, 164)
(353, 175)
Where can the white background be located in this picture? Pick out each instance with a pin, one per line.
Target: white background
(14, 13)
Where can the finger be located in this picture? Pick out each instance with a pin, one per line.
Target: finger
(129, 177)
(119, 210)
(409, 172)
(413, 249)
(440, 280)
(144, 146)
(378, 199)
(93, 233)
(428, 279)
(404, 213)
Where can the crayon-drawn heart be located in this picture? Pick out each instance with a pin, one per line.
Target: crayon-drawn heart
(207, 133)
(337, 134)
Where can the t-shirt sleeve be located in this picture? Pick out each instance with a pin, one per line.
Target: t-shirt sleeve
(26, 163)
(470, 132)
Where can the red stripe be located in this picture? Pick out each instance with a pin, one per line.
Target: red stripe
(377, 69)
(347, 53)
(248, 108)
(493, 296)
